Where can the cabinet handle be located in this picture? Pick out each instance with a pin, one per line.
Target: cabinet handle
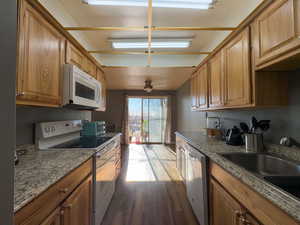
(238, 214)
(245, 221)
(20, 94)
(67, 206)
(64, 190)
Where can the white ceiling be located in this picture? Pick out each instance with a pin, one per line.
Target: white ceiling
(226, 13)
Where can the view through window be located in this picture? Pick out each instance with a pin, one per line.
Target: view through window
(147, 119)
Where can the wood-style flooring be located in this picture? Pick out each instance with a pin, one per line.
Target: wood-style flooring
(149, 190)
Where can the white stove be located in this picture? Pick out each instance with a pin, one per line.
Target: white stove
(65, 135)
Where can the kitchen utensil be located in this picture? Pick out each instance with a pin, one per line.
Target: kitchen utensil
(254, 124)
(244, 127)
(254, 142)
(264, 125)
(234, 137)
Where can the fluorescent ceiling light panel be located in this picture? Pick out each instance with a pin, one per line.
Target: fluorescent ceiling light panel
(155, 44)
(187, 4)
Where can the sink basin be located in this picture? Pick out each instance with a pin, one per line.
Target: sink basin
(264, 164)
(278, 171)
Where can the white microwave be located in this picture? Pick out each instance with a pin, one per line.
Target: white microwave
(80, 90)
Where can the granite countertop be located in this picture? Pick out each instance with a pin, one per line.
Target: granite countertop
(38, 170)
(211, 147)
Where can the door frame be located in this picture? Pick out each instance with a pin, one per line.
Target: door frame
(142, 113)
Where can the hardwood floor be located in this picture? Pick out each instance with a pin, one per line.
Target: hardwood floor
(149, 190)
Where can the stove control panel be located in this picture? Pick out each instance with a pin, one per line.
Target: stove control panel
(53, 129)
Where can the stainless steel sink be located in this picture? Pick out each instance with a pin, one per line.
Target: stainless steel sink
(278, 171)
(264, 164)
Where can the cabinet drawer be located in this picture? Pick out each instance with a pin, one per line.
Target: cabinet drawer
(37, 210)
(70, 182)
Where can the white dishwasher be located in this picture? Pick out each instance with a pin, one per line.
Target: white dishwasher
(196, 184)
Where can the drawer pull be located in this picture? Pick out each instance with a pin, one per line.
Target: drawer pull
(64, 190)
(67, 206)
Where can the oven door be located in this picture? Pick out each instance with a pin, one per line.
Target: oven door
(85, 90)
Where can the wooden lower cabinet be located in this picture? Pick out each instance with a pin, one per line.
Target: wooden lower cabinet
(250, 220)
(224, 209)
(64, 202)
(54, 218)
(77, 209)
(234, 203)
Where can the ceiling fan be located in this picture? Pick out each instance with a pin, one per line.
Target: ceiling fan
(148, 86)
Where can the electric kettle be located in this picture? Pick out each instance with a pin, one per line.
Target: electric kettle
(234, 137)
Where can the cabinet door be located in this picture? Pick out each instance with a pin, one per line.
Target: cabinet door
(90, 67)
(41, 58)
(53, 219)
(74, 56)
(216, 70)
(102, 80)
(77, 209)
(249, 220)
(224, 209)
(193, 92)
(202, 92)
(237, 71)
(277, 30)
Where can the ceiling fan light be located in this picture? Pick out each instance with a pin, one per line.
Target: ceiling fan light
(148, 86)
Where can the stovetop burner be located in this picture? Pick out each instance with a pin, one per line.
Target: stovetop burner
(84, 142)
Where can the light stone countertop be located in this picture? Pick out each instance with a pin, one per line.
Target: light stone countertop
(38, 170)
(211, 147)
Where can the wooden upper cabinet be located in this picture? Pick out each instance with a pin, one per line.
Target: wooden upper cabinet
(199, 90)
(216, 71)
(74, 56)
(193, 92)
(237, 74)
(77, 209)
(90, 67)
(225, 210)
(102, 80)
(202, 92)
(40, 59)
(277, 30)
